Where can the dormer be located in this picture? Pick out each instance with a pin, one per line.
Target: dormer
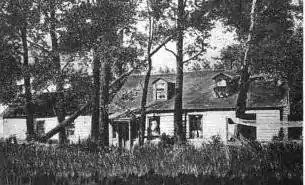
(162, 89)
(222, 85)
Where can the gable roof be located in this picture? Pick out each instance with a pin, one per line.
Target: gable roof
(167, 80)
(198, 94)
(230, 75)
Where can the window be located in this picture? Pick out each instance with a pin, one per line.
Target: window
(70, 130)
(195, 126)
(40, 127)
(221, 83)
(295, 133)
(160, 94)
(160, 88)
(154, 126)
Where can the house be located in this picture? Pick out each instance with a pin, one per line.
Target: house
(209, 99)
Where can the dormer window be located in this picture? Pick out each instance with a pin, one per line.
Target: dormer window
(162, 90)
(221, 82)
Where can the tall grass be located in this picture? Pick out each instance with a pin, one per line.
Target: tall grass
(276, 160)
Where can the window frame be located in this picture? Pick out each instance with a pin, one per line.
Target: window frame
(149, 131)
(191, 126)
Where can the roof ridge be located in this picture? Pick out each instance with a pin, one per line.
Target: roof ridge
(188, 72)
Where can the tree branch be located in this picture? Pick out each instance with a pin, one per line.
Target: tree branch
(38, 46)
(161, 45)
(193, 57)
(171, 51)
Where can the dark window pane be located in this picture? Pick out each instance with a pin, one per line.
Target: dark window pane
(195, 126)
(295, 132)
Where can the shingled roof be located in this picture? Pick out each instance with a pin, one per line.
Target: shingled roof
(198, 93)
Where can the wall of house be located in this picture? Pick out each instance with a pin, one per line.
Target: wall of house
(166, 123)
(214, 123)
(14, 126)
(82, 128)
(267, 124)
(1, 127)
(18, 127)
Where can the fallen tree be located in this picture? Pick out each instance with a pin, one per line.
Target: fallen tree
(115, 86)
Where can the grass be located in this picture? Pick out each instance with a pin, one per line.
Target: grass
(275, 161)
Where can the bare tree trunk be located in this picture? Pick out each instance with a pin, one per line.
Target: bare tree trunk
(115, 87)
(146, 83)
(241, 103)
(64, 123)
(27, 84)
(59, 107)
(104, 96)
(178, 126)
(95, 132)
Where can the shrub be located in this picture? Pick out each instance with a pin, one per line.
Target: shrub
(166, 140)
(216, 140)
(280, 136)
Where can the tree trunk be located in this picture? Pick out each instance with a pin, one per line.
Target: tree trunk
(178, 126)
(95, 99)
(27, 85)
(64, 123)
(143, 103)
(59, 107)
(104, 96)
(115, 87)
(241, 103)
(146, 83)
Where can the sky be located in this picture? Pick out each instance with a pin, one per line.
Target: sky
(220, 38)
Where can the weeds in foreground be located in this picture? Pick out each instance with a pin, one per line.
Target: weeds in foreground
(278, 160)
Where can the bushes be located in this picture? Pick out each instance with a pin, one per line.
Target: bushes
(156, 164)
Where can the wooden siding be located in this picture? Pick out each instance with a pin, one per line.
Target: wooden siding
(1, 127)
(213, 123)
(166, 123)
(267, 124)
(82, 129)
(50, 123)
(14, 127)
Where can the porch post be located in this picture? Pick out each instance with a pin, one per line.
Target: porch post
(129, 135)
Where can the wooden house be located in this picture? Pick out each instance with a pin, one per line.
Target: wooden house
(209, 99)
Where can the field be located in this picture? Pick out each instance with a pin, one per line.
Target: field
(213, 163)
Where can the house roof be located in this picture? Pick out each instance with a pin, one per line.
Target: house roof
(198, 94)
(165, 79)
(43, 106)
(229, 74)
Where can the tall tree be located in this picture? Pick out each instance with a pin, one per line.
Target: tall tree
(21, 17)
(197, 23)
(241, 103)
(96, 27)
(273, 31)
(180, 136)
(60, 109)
(154, 13)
